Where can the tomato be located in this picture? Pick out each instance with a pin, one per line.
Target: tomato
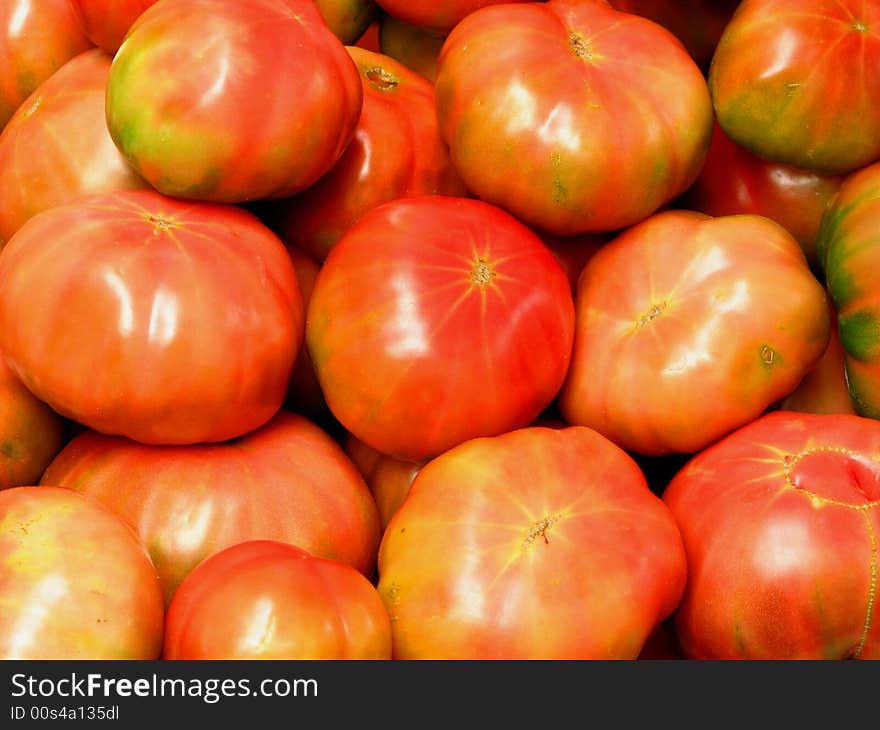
(154, 318)
(56, 147)
(698, 24)
(36, 38)
(573, 252)
(689, 327)
(797, 82)
(435, 320)
(389, 479)
(75, 582)
(733, 180)
(824, 388)
(31, 433)
(536, 544)
(287, 481)
(438, 16)
(849, 253)
(105, 22)
(348, 19)
(414, 46)
(269, 600)
(369, 40)
(257, 98)
(780, 522)
(571, 115)
(396, 151)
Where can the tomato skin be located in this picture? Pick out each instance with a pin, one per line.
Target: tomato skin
(780, 522)
(734, 180)
(237, 125)
(438, 16)
(75, 582)
(689, 327)
(616, 123)
(438, 319)
(782, 82)
(105, 22)
(536, 544)
(287, 481)
(31, 433)
(56, 147)
(268, 600)
(190, 312)
(849, 255)
(396, 151)
(36, 38)
(412, 45)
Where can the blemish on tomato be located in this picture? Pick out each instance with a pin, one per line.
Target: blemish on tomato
(581, 46)
(380, 79)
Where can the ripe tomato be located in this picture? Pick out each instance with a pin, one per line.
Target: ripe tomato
(56, 147)
(287, 481)
(414, 46)
(849, 253)
(269, 600)
(267, 104)
(158, 319)
(75, 582)
(36, 38)
(537, 544)
(571, 115)
(690, 326)
(797, 82)
(396, 151)
(733, 180)
(438, 319)
(31, 433)
(780, 522)
(105, 22)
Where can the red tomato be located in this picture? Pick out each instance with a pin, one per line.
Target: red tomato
(573, 252)
(269, 600)
(396, 152)
(689, 327)
(698, 24)
(75, 582)
(798, 82)
(436, 15)
(36, 38)
(414, 46)
(105, 22)
(158, 319)
(348, 19)
(537, 544)
(733, 180)
(56, 147)
(287, 481)
(369, 41)
(780, 522)
(435, 320)
(31, 433)
(571, 115)
(257, 98)
(389, 479)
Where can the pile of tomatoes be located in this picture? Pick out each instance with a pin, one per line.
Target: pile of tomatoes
(452, 330)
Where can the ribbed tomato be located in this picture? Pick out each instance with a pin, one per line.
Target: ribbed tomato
(232, 101)
(105, 22)
(268, 600)
(689, 327)
(158, 319)
(438, 319)
(537, 544)
(781, 523)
